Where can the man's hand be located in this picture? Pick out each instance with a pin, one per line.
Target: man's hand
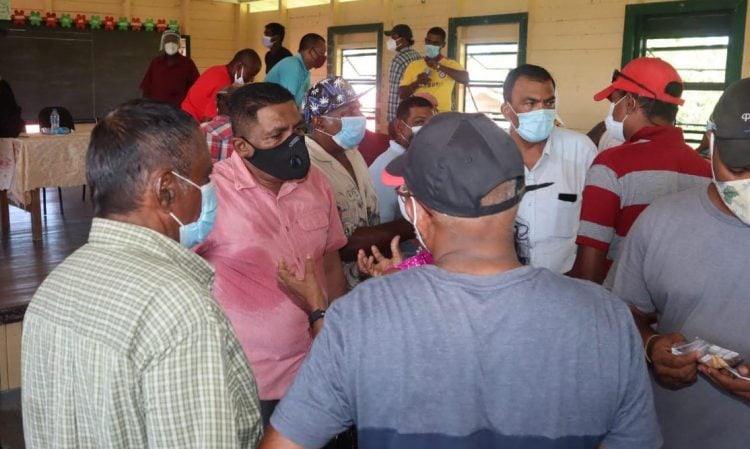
(431, 63)
(377, 264)
(306, 291)
(674, 371)
(727, 381)
(423, 79)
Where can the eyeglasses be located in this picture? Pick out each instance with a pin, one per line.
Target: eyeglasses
(618, 74)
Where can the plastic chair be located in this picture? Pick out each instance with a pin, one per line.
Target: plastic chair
(66, 118)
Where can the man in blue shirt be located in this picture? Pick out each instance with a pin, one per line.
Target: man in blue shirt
(411, 114)
(475, 351)
(293, 72)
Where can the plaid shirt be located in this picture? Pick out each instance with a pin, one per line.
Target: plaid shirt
(402, 60)
(124, 346)
(219, 135)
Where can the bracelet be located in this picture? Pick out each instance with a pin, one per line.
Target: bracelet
(647, 345)
(315, 316)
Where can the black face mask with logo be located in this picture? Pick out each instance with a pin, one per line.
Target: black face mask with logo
(287, 161)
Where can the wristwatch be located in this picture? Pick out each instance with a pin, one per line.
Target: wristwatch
(315, 316)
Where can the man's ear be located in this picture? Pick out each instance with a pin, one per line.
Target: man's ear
(506, 110)
(243, 148)
(165, 189)
(316, 123)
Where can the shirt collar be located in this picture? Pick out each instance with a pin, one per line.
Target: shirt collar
(244, 178)
(298, 56)
(317, 152)
(111, 233)
(657, 133)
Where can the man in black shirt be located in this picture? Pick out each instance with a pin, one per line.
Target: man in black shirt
(273, 36)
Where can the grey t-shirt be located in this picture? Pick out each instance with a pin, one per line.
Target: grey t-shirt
(688, 261)
(426, 358)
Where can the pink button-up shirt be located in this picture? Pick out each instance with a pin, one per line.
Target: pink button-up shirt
(254, 228)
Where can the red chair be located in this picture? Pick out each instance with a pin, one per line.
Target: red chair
(373, 145)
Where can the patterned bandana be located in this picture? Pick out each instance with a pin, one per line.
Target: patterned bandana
(328, 95)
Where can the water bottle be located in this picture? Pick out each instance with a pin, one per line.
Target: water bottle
(54, 120)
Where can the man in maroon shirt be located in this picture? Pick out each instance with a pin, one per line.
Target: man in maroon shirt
(170, 74)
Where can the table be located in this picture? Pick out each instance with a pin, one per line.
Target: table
(30, 163)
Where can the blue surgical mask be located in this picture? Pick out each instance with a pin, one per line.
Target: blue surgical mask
(192, 234)
(431, 51)
(352, 131)
(535, 126)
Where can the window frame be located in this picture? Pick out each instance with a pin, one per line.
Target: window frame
(521, 19)
(637, 15)
(334, 61)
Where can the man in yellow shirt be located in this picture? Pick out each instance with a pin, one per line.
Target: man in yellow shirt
(435, 74)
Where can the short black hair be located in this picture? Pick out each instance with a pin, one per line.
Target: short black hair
(402, 112)
(277, 29)
(246, 101)
(655, 108)
(309, 40)
(247, 55)
(530, 71)
(437, 31)
(133, 141)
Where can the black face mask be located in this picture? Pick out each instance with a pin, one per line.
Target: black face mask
(290, 160)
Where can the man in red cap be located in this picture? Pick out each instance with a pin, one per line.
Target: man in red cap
(653, 161)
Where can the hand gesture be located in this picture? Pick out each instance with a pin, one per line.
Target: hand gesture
(306, 292)
(674, 371)
(727, 381)
(423, 79)
(377, 264)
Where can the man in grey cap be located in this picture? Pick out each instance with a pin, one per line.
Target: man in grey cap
(475, 351)
(401, 41)
(684, 264)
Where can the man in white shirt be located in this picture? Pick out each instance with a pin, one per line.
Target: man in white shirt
(550, 154)
(411, 114)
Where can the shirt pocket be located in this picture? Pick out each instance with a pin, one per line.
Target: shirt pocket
(566, 216)
(313, 221)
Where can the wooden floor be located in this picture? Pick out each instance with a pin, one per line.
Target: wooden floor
(24, 263)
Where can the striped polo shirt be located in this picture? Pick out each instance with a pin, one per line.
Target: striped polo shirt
(624, 180)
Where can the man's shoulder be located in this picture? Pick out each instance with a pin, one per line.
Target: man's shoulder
(452, 63)
(669, 208)
(569, 141)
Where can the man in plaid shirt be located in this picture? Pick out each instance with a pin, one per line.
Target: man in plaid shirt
(401, 41)
(124, 346)
(218, 130)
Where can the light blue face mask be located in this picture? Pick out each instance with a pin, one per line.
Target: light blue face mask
(535, 126)
(431, 51)
(352, 131)
(196, 232)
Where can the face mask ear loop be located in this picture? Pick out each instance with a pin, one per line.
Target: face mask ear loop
(711, 154)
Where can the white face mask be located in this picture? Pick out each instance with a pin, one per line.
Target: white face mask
(171, 48)
(615, 128)
(267, 42)
(402, 207)
(735, 194)
(391, 44)
(238, 79)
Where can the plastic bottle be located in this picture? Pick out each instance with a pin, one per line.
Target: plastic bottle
(54, 120)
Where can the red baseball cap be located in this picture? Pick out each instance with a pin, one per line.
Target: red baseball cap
(648, 77)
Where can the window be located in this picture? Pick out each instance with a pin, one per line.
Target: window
(263, 6)
(488, 65)
(488, 47)
(359, 66)
(354, 53)
(703, 41)
(302, 3)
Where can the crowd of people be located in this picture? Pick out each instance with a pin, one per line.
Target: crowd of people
(251, 282)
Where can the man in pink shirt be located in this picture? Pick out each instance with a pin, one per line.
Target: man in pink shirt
(275, 212)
